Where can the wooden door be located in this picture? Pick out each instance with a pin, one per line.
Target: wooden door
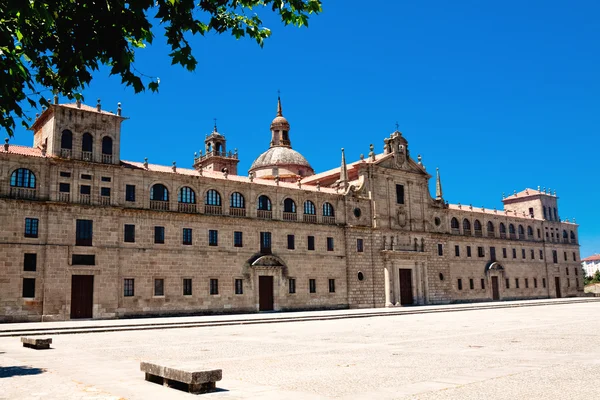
(557, 284)
(495, 288)
(406, 294)
(82, 296)
(265, 293)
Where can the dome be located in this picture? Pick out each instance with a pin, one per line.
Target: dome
(279, 156)
(280, 121)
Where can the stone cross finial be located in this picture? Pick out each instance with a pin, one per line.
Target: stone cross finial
(6, 145)
(174, 167)
(371, 152)
(99, 106)
(146, 162)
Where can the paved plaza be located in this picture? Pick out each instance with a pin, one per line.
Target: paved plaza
(541, 352)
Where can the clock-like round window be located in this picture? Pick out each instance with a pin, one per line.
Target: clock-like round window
(357, 212)
(361, 276)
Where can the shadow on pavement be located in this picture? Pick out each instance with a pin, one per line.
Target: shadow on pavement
(8, 372)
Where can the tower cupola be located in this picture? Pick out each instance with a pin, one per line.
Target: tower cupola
(280, 129)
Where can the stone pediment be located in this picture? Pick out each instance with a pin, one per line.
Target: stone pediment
(400, 162)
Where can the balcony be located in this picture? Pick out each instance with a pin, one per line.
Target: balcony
(213, 210)
(513, 236)
(64, 197)
(107, 159)
(521, 236)
(310, 218)
(23, 193)
(455, 231)
(85, 198)
(237, 212)
(478, 233)
(87, 156)
(264, 214)
(289, 216)
(187, 207)
(66, 153)
(328, 220)
(466, 232)
(159, 205)
(502, 235)
(491, 234)
(105, 200)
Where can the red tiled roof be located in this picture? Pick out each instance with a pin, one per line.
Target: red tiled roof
(22, 150)
(595, 257)
(526, 193)
(309, 180)
(86, 108)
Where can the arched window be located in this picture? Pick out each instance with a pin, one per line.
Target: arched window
(328, 210)
(264, 203)
(573, 236)
(502, 230)
(66, 140)
(490, 227)
(159, 192)
(289, 206)
(213, 198)
(87, 142)
(236, 200)
(521, 232)
(186, 195)
(466, 225)
(454, 224)
(22, 177)
(107, 145)
(477, 225)
(309, 208)
(565, 235)
(530, 231)
(511, 229)
(218, 147)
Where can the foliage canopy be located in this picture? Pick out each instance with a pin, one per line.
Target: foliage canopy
(57, 44)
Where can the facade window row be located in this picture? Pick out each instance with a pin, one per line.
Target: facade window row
(87, 147)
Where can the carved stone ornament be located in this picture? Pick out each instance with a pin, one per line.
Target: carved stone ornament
(402, 218)
(399, 159)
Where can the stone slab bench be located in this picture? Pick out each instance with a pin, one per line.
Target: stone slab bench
(184, 376)
(36, 343)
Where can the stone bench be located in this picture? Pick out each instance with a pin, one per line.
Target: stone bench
(184, 376)
(36, 343)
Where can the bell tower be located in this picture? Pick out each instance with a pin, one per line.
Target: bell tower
(215, 156)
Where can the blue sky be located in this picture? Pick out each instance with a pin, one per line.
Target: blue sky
(499, 95)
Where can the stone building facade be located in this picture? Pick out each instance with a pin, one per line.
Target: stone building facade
(88, 235)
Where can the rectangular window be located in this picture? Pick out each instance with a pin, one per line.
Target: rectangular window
(105, 192)
(359, 246)
(29, 288)
(159, 234)
(238, 239)
(457, 250)
(265, 242)
(128, 287)
(106, 179)
(480, 251)
(544, 282)
(83, 259)
(483, 284)
(574, 257)
(239, 286)
(86, 177)
(290, 242)
(516, 283)
(576, 269)
(532, 254)
(329, 244)
(504, 253)
(187, 236)
(332, 286)
(541, 254)
(468, 251)
(526, 283)
(577, 282)
(567, 269)
(555, 256)
(400, 194)
(84, 232)
(214, 286)
(31, 227)
(85, 189)
(187, 287)
(568, 282)
(565, 256)
(65, 174)
(292, 285)
(129, 233)
(531, 213)
(440, 249)
(493, 253)
(459, 284)
(64, 187)
(29, 262)
(514, 253)
(312, 285)
(129, 192)
(523, 254)
(213, 237)
(507, 283)
(159, 287)
(539, 232)
(311, 243)
(535, 283)
(471, 284)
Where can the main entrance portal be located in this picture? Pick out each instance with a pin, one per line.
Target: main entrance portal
(82, 296)
(495, 288)
(265, 293)
(406, 293)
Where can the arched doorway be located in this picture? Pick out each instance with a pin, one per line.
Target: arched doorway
(268, 270)
(494, 271)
